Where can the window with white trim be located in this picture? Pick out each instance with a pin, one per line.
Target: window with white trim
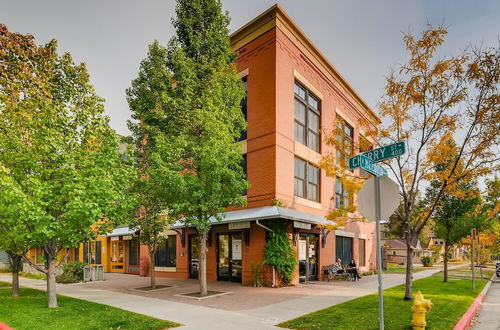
(307, 180)
(307, 118)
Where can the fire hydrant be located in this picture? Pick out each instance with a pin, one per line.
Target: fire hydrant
(419, 309)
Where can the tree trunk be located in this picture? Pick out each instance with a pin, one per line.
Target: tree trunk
(203, 264)
(445, 261)
(51, 282)
(15, 265)
(152, 271)
(409, 272)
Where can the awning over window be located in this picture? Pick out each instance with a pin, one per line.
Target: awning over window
(121, 231)
(266, 212)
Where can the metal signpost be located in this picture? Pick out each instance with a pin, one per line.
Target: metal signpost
(473, 238)
(368, 161)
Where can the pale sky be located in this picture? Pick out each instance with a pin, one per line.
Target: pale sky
(362, 39)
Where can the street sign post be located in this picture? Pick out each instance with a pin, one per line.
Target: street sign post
(379, 154)
(368, 161)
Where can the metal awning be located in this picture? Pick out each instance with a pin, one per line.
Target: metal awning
(121, 231)
(266, 212)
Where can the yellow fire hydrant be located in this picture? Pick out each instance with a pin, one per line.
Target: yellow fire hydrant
(419, 309)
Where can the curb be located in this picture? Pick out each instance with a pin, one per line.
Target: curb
(466, 319)
(4, 326)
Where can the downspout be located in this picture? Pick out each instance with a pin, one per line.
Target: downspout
(268, 229)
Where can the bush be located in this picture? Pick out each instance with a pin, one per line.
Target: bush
(72, 272)
(279, 252)
(426, 261)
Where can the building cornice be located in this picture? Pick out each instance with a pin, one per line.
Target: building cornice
(276, 17)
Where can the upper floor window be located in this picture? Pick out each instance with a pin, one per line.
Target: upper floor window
(345, 141)
(243, 104)
(364, 146)
(307, 118)
(341, 195)
(244, 167)
(307, 180)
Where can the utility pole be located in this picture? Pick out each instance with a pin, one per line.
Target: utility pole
(473, 238)
(379, 254)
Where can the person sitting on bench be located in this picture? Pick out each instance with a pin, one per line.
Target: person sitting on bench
(354, 270)
(337, 267)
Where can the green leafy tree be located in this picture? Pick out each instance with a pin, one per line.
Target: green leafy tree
(201, 162)
(147, 100)
(58, 152)
(279, 253)
(455, 215)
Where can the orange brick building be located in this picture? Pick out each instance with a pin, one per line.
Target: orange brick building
(293, 93)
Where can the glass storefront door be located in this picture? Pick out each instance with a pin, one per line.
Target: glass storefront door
(308, 257)
(117, 256)
(193, 256)
(229, 257)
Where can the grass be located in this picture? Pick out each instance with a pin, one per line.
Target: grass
(36, 276)
(29, 311)
(450, 300)
(466, 273)
(395, 268)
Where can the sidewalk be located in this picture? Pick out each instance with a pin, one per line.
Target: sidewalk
(202, 317)
(489, 313)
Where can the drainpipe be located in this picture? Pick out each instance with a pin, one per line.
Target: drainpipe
(268, 229)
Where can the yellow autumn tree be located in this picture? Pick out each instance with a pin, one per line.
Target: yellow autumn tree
(428, 100)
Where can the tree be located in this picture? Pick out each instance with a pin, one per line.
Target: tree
(146, 99)
(456, 213)
(201, 121)
(13, 207)
(429, 100)
(59, 154)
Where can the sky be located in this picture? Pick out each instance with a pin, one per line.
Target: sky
(362, 39)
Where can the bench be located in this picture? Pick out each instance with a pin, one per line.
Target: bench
(330, 272)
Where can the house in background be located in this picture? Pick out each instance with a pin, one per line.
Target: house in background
(397, 252)
(456, 252)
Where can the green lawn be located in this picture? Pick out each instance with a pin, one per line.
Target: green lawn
(466, 273)
(29, 311)
(450, 301)
(395, 268)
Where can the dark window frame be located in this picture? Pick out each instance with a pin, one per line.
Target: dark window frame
(362, 252)
(305, 182)
(342, 125)
(341, 198)
(164, 256)
(306, 127)
(244, 108)
(88, 255)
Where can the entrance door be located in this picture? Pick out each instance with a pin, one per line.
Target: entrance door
(308, 257)
(229, 257)
(193, 256)
(117, 255)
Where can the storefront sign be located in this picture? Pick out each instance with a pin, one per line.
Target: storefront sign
(301, 225)
(239, 225)
(127, 238)
(236, 249)
(115, 238)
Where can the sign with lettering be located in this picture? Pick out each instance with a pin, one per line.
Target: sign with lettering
(379, 154)
(239, 225)
(127, 237)
(301, 225)
(236, 249)
(370, 166)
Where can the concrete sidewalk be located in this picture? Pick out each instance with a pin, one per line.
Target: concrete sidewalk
(202, 317)
(489, 313)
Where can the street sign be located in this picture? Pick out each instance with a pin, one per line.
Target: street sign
(370, 166)
(379, 154)
(389, 198)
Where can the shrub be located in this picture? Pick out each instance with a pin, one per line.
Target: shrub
(426, 261)
(256, 281)
(72, 272)
(279, 252)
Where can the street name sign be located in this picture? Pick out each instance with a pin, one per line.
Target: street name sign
(379, 154)
(370, 166)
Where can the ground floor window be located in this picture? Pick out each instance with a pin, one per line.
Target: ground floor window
(134, 252)
(362, 252)
(166, 252)
(343, 247)
(92, 252)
